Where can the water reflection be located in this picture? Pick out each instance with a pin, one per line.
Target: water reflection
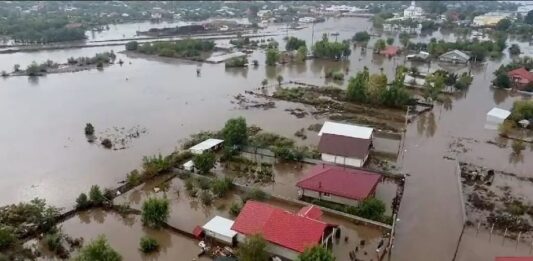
(426, 124)
(499, 95)
(516, 158)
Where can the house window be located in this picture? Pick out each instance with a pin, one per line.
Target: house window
(326, 194)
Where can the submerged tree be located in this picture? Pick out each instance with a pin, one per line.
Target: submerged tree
(89, 129)
(204, 162)
(155, 212)
(235, 132)
(279, 79)
(98, 250)
(316, 253)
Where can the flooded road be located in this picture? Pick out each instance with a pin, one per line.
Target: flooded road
(44, 152)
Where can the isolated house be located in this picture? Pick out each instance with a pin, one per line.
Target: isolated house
(345, 144)
(288, 234)
(520, 77)
(337, 184)
(206, 145)
(390, 51)
(495, 117)
(454, 56)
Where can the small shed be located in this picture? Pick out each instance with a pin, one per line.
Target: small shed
(206, 145)
(189, 165)
(495, 117)
(219, 228)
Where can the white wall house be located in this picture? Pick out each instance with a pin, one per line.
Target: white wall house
(345, 144)
(413, 11)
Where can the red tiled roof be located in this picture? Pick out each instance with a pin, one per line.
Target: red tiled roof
(516, 258)
(279, 226)
(197, 232)
(343, 182)
(311, 211)
(390, 50)
(343, 145)
(521, 73)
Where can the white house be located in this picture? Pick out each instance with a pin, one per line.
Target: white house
(206, 145)
(413, 11)
(344, 143)
(219, 228)
(495, 117)
(454, 56)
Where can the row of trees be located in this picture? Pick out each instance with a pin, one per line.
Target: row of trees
(331, 50)
(184, 48)
(374, 89)
(502, 80)
(40, 29)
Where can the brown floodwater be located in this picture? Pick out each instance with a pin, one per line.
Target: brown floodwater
(45, 154)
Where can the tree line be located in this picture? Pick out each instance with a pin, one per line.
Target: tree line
(183, 48)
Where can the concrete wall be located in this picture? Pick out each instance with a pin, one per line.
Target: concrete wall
(344, 160)
(219, 237)
(332, 198)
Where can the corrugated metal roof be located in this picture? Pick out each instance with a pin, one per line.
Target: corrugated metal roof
(220, 226)
(346, 130)
(499, 113)
(205, 145)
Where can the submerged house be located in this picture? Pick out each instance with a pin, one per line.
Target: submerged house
(345, 144)
(337, 184)
(454, 56)
(288, 234)
(390, 51)
(521, 78)
(495, 117)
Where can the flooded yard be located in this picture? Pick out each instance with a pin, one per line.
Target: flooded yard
(45, 153)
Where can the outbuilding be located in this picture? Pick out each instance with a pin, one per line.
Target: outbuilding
(495, 117)
(345, 144)
(219, 228)
(454, 56)
(206, 145)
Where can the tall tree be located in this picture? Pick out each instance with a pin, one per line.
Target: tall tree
(98, 250)
(529, 17)
(155, 212)
(253, 249)
(377, 84)
(235, 132)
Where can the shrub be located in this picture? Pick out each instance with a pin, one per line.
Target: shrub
(98, 249)
(7, 237)
(53, 241)
(221, 186)
(235, 209)
(148, 244)
(189, 184)
(82, 201)
(316, 253)
(96, 196)
(206, 197)
(371, 208)
(155, 212)
(253, 249)
(132, 45)
(133, 178)
(156, 164)
(89, 129)
(255, 194)
(203, 183)
(518, 146)
(362, 36)
(107, 143)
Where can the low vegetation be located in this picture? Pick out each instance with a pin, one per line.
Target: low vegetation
(155, 212)
(331, 50)
(253, 249)
(237, 62)
(371, 208)
(98, 249)
(148, 244)
(316, 253)
(188, 48)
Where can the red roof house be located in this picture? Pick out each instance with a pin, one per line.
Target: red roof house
(390, 51)
(337, 184)
(287, 233)
(516, 258)
(521, 77)
(311, 211)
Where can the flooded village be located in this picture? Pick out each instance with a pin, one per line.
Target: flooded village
(266, 130)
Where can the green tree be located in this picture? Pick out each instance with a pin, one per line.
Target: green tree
(377, 84)
(371, 208)
(96, 196)
(204, 162)
(89, 129)
(235, 132)
(253, 249)
(502, 81)
(503, 25)
(7, 237)
(33, 69)
(362, 36)
(279, 79)
(357, 87)
(390, 41)
(264, 83)
(148, 244)
(514, 49)
(301, 54)
(529, 17)
(294, 43)
(82, 201)
(379, 45)
(316, 253)
(272, 56)
(155, 212)
(434, 85)
(98, 250)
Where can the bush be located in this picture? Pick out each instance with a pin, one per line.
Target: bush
(253, 249)
(221, 186)
(53, 241)
(155, 212)
(361, 37)
(206, 198)
(272, 56)
(98, 249)
(235, 209)
(89, 129)
(189, 184)
(132, 45)
(107, 143)
(148, 244)
(236, 62)
(7, 238)
(203, 183)
(371, 208)
(294, 43)
(502, 81)
(96, 196)
(156, 164)
(82, 201)
(255, 194)
(316, 253)
(133, 178)
(518, 146)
